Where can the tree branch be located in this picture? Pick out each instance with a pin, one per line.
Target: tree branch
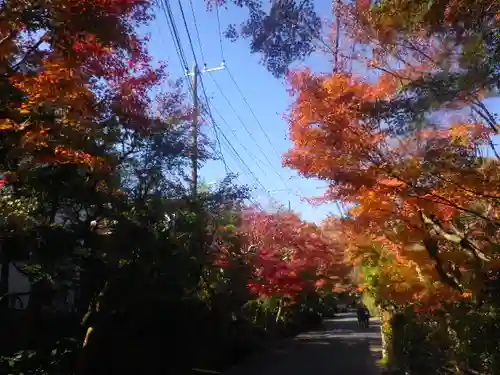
(457, 237)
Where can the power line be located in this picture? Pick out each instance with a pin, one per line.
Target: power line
(257, 121)
(238, 156)
(193, 85)
(216, 134)
(220, 153)
(239, 160)
(251, 110)
(165, 5)
(208, 110)
(238, 140)
(246, 102)
(235, 153)
(197, 31)
(182, 58)
(220, 33)
(204, 91)
(241, 120)
(194, 57)
(187, 31)
(174, 33)
(247, 130)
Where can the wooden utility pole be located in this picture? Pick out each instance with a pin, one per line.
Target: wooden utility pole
(195, 126)
(194, 134)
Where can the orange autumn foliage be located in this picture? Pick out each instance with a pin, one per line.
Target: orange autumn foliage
(73, 66)
(399, 132)
(407, 195)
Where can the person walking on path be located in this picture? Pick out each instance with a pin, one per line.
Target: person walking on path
(363, 316)
(366, 318)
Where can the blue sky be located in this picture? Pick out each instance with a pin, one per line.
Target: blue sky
(267, 97)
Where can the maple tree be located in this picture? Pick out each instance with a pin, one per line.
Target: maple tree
(409, 159)
(289, 254)
(446, 51)
(65, 73)
(402, 131)
(287, 264)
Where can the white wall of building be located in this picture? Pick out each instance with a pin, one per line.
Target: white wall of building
(19, 283)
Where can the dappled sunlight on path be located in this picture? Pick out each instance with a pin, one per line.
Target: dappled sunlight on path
(340, 348)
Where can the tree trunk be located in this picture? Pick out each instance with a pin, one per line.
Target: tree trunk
(88, 358)
(386, 332)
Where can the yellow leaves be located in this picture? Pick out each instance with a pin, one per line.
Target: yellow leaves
(24, 109)
(36, 138)
(7, 124)
(467, 295)
(398, 282)
(460, 132)
(56, 83)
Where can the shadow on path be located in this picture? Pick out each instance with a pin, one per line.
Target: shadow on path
(340, 348)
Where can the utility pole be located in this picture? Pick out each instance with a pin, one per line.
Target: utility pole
(194, 130)
(194, 135)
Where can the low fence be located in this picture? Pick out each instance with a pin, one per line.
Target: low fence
(64, 301)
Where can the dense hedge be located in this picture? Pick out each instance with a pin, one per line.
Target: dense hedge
(462, 338)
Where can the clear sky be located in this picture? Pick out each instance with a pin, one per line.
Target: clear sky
(267, 98)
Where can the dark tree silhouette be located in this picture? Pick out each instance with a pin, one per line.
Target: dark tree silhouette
(283, 31)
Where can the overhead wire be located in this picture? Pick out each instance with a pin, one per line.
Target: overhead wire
(216, 130)
(254, 157)
(187, 31)
(197, 31)
(181, 54)
(201, 79)
(220, 33)
(258, 122)
(227, 99)
(269, 163)
(166, 7)
(248, 105)
(238, 156)
(251, 109)
(241, 120)
(196, 63)
(216, 134)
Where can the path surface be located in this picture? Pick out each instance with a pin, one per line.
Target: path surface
(340, 348)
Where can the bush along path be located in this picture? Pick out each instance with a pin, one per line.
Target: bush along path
(340, 347)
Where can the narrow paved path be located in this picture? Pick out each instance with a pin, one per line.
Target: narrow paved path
(340, 348)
